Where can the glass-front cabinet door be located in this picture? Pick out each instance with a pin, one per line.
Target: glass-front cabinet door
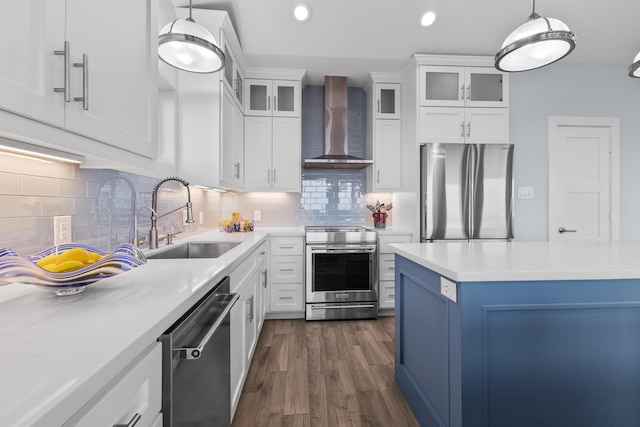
(278, 98)
(257, 97)
(387, 100)
(286, 102)
(486, 87)
(463, 87)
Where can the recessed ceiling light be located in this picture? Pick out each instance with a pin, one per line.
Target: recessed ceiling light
(302, 12)
(427, 19)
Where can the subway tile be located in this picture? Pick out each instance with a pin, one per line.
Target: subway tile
(57, 206)
(40, 186)
(72, 188)
(10, 183)
(20, 206)
(9, 229)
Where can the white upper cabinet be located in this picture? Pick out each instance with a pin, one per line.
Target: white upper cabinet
(272, 98)
(384, 133)
(117, 78)
(445, 86)
(232, 165)
(211, 131)
(272, 154)
(387, 100)
(30, 33)
(464, 125)
(232, 75)
(110, 91)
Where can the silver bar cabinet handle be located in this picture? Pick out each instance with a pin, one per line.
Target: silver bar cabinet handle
(378, 177)
(132, 422)
(563, 230)
(236, 166)
(469, 91)
(274, 176)
(275, 103)
(462, 91)
(67, 75)
(469, 130)
(268, 103)
(269, 176)
(378, 105)
(85, 81)
(462, 129)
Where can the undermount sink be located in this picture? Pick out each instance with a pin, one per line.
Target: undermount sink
(195, 250)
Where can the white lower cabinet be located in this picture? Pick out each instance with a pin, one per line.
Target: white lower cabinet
(386, 268)
(286, 275)
(246, 318)
(135, 394)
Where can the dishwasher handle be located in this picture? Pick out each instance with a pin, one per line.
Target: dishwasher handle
(192, 353)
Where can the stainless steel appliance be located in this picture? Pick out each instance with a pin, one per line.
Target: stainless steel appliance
(336, 130)
(196, 363)
(341, 273)
(466, 191)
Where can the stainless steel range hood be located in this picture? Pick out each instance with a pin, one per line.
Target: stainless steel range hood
(336, 144)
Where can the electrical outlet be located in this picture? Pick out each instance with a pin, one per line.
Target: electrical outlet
(61, 230)
(257, 215)
(201, 218)
(525, 192)
(448, 289)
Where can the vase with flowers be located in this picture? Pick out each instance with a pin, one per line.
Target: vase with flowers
(380, 213)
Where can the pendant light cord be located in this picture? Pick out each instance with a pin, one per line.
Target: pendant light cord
(190, 19)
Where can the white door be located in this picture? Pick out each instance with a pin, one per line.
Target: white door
(257, 156)
(29, 71)
(388, 155)
(583, 179)
(120, 78)
(442, 124)
(286, 154)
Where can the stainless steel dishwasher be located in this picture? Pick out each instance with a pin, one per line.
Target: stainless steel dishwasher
(196, 363)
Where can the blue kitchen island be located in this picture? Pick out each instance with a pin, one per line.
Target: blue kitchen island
(519, 334)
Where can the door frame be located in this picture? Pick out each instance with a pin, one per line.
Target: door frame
(613, 123)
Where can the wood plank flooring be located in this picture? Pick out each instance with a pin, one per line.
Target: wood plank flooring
(323, 374)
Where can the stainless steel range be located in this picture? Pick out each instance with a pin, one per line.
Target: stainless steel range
(341, 273)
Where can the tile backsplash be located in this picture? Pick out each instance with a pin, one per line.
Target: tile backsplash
(102, 202)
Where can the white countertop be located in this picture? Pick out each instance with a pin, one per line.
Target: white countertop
(516, 261)
(57, 352)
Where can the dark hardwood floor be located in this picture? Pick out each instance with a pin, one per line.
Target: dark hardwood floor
(328, 373)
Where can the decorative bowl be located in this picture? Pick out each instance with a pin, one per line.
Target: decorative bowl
(15, 268)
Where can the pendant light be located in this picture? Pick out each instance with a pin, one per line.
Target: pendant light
(538, 42)
(634, 69)
(189, 46)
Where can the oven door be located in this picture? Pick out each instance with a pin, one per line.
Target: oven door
(341, 273)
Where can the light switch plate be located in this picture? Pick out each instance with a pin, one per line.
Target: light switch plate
(257, 215)
(448, 289)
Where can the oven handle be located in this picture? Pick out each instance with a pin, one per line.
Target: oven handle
(343, 249)
(192, 353)
(321, 307)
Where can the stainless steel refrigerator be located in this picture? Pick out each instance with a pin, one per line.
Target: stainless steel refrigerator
(466, 191)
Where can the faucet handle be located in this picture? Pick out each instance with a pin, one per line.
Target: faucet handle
(170, 237)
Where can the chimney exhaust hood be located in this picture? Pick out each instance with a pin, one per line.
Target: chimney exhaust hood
(336, 144)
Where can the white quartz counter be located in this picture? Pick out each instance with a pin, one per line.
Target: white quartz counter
(514, 261)
(57, 352)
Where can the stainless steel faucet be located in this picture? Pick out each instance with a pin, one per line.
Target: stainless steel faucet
(153, 233)
(136, 238)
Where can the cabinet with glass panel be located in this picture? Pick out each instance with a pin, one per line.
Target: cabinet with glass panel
(272, 98)
(443, 86)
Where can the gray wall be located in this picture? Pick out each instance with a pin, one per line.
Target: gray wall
(574, 90)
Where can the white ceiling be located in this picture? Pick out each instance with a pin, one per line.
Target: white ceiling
(353, 37)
